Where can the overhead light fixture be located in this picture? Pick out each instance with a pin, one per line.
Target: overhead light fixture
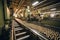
(35, 3)
(52, 15)
(53, 9)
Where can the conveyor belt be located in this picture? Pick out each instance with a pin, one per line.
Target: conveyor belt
(22, 33)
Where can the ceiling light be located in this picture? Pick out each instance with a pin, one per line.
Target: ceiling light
(52, 15)
(35, 3)
(53, 9)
